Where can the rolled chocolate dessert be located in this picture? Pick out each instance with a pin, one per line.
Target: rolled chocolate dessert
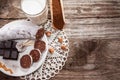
(18, 30)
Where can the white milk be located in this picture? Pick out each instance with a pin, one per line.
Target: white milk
(35, 10)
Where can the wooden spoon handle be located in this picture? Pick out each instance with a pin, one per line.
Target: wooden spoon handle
(57, 14)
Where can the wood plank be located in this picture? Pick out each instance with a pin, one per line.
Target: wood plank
(96, 31)
(93, 21)
(71, 75)
(95, 9)
(89, 30)
(90, 1)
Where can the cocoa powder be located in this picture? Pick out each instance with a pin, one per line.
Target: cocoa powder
(58, 21)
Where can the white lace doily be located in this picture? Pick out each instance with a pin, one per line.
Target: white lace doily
(54, 62)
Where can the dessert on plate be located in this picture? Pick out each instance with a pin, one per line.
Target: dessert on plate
(22, 45)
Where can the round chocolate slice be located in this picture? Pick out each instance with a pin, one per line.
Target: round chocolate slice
(40, 45)
(35, 54)
(26, 61)
(40, 33)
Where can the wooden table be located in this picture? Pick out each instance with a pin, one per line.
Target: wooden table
(93, 29)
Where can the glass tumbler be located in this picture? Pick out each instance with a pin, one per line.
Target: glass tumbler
(35, 10)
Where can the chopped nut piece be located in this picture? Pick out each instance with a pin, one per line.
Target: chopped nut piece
(48, 33)
(63, 47)
(60, 39)
(51, 50)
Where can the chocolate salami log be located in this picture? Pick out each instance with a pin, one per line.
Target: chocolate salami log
(18, 30)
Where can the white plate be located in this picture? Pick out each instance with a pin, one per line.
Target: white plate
(15, 65)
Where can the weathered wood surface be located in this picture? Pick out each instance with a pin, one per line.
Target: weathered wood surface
(92, 18)
(93, 28)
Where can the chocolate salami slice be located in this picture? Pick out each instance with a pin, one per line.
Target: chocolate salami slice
(26, 61)
(41, 45)
(40, 33)
(35, 54)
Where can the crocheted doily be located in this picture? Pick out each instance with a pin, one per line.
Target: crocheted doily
(55, 61)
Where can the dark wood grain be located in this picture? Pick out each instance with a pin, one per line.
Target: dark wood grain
(93, 29)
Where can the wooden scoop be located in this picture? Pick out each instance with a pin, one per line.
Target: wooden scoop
(57, 14)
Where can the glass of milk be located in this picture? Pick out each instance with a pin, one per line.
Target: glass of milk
(36, 10)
